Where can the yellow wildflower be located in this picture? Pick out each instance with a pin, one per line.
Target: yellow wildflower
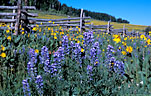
(9, 38)
(82, 50)
(54, 34)
(35, 35)
(36, 51)
(48, 28)
(143, 37)
(37, 25)
(22, 32)
(124, 43)
(123, 52)
(53, 22)
(28, 34)
(148, 42)
(40, 30)
(50, 21)
(70, 39)
(117, 38)
(3, 48)
(125, 38)
(3, 55)
(129, 49)
(78, 41)
(7, 31)
(119, 47)
(34, 29)
(55, 37)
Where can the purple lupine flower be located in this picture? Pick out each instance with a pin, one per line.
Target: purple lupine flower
(58, 57)
(110, 48)
(134, 45)
(88, 39)
(32, 71)
(89, 68)
(112, 63)
(39, 84)
(71, 46)
(20, 51)
(100, 41)
(32, 56)
(148, 52)
(109, 53)
(89, 71)
(77, 53)
(119, 67)
(44, 59)
(116, 66)
(44, 55)
(65, 44)
(94, 53)
(23, 48)
(26, 87)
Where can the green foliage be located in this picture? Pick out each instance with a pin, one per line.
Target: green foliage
(147, 29)
(73, 79)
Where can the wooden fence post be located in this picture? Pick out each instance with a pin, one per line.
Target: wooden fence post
(68, 23)
(83, 22)
(108, 27)
(18, 17)
(124, 31)
(81, 19)
(91, 26)
(13, 17)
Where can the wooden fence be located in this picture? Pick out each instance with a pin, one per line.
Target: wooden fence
(21, 17)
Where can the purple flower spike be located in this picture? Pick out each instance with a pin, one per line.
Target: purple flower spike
(39, 82)
(26, 89)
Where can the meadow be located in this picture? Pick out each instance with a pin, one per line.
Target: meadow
(130, 27)
(44, 62)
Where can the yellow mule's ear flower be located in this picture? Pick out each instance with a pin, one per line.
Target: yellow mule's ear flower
(9, 38)
(34, 29)
(22, 32)
(82, 50)
(3, 55)
(3, 48)
(49, 21)
(55, 37)
(123, 52)
(129, 49)
(7, 31)
(36, 51)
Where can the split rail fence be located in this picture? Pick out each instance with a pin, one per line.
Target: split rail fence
(21, 17)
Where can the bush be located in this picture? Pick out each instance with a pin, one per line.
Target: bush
(147, 29)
